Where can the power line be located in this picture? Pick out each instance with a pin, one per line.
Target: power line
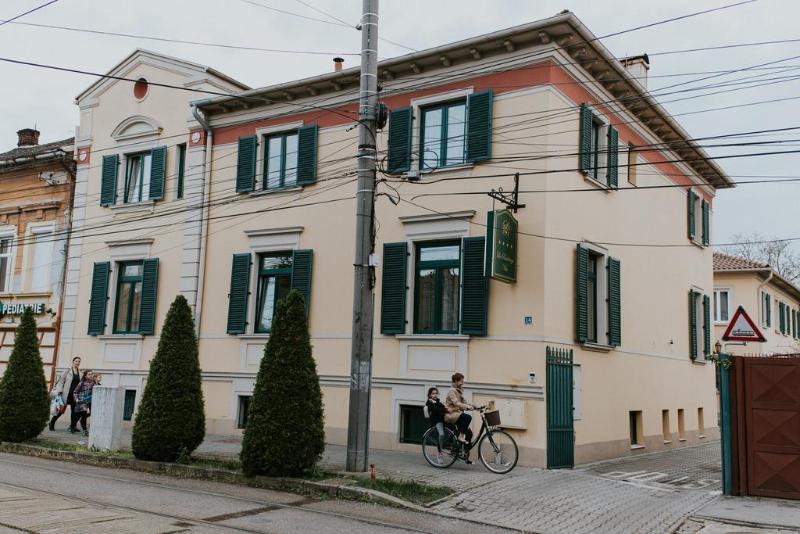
(722, 47)
(326, 14)
(37, 8)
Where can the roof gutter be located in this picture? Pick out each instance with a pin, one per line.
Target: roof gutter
(205, 194)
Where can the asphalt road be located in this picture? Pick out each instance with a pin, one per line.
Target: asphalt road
(38, 495)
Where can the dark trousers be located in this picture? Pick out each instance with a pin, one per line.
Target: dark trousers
(463, 425)
(71, 403)
(79, 416)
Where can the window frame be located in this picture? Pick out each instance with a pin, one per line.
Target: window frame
(445, 106)
(591, 301)
(129, 158)
(241, 422)
(438, 266)
(5, 284)
(46, 232)
(262, 275)
(716, 316)
(265, 140)
(766, 312)
(123, 279)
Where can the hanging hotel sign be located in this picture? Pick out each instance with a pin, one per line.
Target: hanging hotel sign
(742, 328)
(19, 308)
(501, 246)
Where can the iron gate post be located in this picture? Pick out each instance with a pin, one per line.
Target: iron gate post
(723, 366)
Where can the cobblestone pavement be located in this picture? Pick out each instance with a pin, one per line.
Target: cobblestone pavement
(588, 500)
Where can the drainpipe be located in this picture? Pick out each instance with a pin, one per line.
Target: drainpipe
(206, 193)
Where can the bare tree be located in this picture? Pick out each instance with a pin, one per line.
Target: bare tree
(776, 253)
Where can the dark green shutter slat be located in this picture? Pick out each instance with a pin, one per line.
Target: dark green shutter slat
(108, 185)
(690, 196)
(479, 126)
(706, 221)
(240, 290)
(99, 298)
(393, 288)
(246, 164)
(780, 317)
(400, 122)
(612, 161)
(706, 326)
(307, 155)
(301, 274)
(768, 300)
(585, 139)
(158, 167)
(614, 303)
(474, 287)
(147, 312)
(582, 294)
(692, 326)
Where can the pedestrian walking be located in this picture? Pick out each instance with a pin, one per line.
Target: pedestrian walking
(83, 403)
(65, 387)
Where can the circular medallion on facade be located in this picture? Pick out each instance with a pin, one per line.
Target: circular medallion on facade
(195, 137)
(140, 89)
(82, 156)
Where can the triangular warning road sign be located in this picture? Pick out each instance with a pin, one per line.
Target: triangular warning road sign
(742, 328)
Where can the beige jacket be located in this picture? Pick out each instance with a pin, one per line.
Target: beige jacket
(62, 384)
(455, 402)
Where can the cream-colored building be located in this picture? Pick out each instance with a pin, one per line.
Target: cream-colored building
(612, 240)
(771, 301)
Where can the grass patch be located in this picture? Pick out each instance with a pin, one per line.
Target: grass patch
(408, 490)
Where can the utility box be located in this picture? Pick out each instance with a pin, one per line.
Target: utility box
(105, 430)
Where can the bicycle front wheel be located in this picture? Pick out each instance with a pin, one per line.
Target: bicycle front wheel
(498, 452)
(440, 451)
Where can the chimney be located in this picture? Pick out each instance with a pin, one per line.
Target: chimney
(337, 64)
(637, 66)
(28, 137)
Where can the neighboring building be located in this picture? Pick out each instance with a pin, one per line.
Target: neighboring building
(36, 184)
(280, 163)
(770, 300)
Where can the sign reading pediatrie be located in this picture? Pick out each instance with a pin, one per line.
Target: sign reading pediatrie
(19, 308)
(501, 246)
(742, 328)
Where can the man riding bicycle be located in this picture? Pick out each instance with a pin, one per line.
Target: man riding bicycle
(456, 411)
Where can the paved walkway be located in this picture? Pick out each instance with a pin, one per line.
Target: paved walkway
(651, 493)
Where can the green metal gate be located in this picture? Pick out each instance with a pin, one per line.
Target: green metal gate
(560, 431)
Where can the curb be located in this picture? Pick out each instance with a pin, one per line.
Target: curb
(293, 485)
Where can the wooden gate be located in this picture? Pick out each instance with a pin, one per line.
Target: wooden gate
(768, 417)
(560, 431)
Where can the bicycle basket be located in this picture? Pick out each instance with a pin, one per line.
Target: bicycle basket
(493, 418)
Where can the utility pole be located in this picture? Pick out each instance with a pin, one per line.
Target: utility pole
(363, 300)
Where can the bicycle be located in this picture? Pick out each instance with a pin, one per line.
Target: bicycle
(497, 450)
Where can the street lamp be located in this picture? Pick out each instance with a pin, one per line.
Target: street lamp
(717, 347)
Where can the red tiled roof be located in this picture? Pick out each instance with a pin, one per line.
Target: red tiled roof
(728, 262)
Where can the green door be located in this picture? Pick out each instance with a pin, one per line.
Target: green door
(560, 431)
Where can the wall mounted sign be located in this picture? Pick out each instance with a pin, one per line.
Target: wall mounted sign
(19, 308)
(501, 246)
(742, 328)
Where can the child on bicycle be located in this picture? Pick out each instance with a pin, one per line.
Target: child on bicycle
(436, 411)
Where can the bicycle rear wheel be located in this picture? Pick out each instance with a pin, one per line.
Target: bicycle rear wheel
(440, 453)
(498, 452)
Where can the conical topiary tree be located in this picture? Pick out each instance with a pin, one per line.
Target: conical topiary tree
(171, 419)
(24, 403)
(284, 435)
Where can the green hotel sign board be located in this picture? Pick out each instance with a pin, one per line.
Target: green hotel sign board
(501, 246)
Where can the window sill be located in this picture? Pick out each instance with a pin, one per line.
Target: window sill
(147, 205)
(597, 347)
(698, 244)
(597, 183)
(682, 440)
(637, 447)
(27, 294)
(443, 337)
(109, 337)
(699, 361)
(701, 437)
(667, 441)
(253, 336)
(276, 191)
(422, 173)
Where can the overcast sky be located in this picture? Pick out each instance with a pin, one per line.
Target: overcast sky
(31, 96)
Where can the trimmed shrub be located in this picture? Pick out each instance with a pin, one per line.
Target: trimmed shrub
(284, 435)
(24, 403)
(171, 418)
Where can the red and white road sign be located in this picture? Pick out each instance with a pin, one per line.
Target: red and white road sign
(742, 328)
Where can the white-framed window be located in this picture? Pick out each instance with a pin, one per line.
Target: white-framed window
(6, 261)
(137, 177)
(42, 247)
(722, 305)
(766, 309)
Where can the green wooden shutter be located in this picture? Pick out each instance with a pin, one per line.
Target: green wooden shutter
(240, 290)
(246, 164)
(108, 184)
(706, 221)
(768, 301)
(99, 298)
(400, 123)
(690, 196)
(301, 274)
(706, 326)
(307, 155)
(393, 288)
(614, 303)
(692, 325)
(479, 126)
(780, 317)
(582, 294)
(612, 159)
(474, 287)
(158, 166)
(585, 142)
(147, 311)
